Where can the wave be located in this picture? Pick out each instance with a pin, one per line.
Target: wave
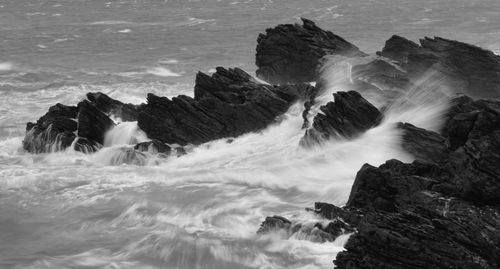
(6, 66)
(162, 72)
(110, 22)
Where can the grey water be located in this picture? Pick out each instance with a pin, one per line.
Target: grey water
(202, 210)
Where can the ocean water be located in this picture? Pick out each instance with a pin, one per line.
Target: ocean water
(202, 210)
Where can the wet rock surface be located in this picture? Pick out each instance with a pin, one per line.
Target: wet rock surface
(227, 104)
(290, 53)
(467, 69)
(347, 116)
(112, 107)
(440, 211)
(84, 125)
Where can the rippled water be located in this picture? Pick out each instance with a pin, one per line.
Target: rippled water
(201, 210)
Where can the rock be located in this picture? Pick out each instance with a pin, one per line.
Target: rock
(83, 125)
(422, 144)
(227, 104)
(92, 123)
(348, 116)
(274, 223)
(112, 107)
(454, 235)
(392, 185)
(54, 131)
(315, 232)
(398, 48)
(291, 53)
(407, 224)
(440, 211)
(465, 68)
(472, 138)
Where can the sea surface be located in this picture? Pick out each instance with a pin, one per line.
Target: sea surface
(202, 210)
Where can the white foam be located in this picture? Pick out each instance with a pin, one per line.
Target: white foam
(6, 66)
(162, 72)
(125, 133)
(124, 31)
(168, 61)
(109, 22)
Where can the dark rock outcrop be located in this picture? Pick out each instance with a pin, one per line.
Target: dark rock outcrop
(52, 132)
(290, 53)
(398, 48)
(422, 144)
(348, 116)
(465, 68)
(440, 211)
(112, 107)
(227, 104)
(58, 129)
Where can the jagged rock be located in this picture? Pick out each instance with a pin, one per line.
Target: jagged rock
(52, 132)
(454, 234)
(274, 223)
(465, 68)
(422, 144)
(58, 129)
(112, 107)
(474, 134)
(92, 123)
(290, 53)
(398, 48)
(440, 211)
(348, 116)
(227, 104)
(407, 224)
(392, 184)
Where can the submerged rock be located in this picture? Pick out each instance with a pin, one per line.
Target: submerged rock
(227, 104)
(290, 53)
(347, 117)
(153, 147)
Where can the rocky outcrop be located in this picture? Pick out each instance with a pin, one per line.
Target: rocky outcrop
(347, 117)
(52, 132)
(227, 104)
(112, 107)
(82, 126)
(422, 144)
(440, 211)
(407, 223)
(290, 53)
(465, 68)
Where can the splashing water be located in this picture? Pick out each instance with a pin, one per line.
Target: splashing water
(73, 210)
(125, 133)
